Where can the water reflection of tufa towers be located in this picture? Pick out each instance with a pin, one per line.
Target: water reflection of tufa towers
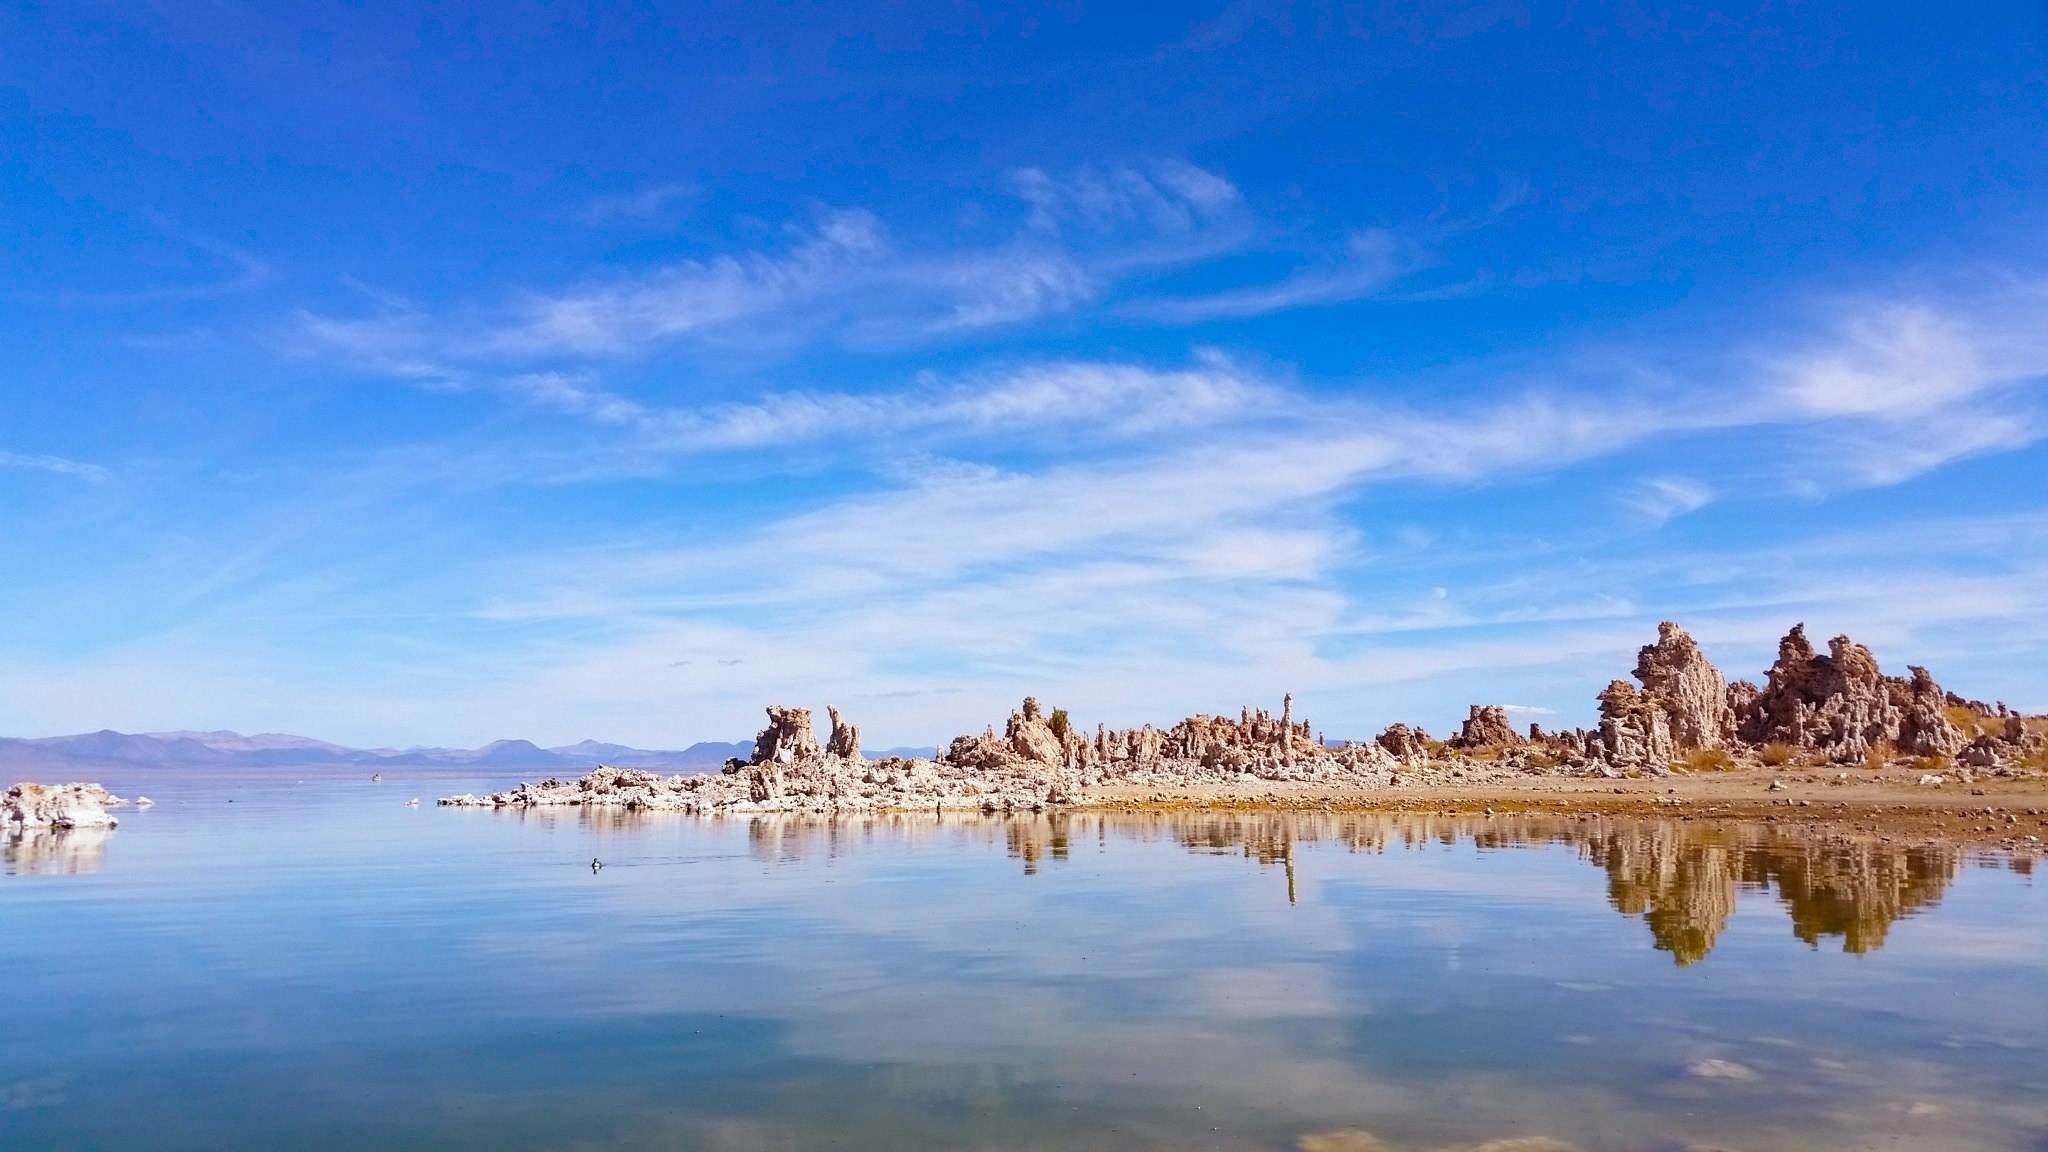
(52, 851)
(1683, 879)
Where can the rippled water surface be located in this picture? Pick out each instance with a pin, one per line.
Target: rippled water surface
(297, 960)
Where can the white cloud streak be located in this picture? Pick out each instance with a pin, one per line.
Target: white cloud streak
(55, 464)
(1904, 388)
(1372, 261)
(1177, 571)
(639, 204)
(844, 277)
(1658, 499)
(1168, 197)
(1148, 541)
(694, 296)
(1120, 399)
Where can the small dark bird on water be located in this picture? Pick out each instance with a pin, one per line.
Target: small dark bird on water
(595, 864)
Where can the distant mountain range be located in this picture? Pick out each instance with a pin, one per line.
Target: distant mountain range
(232, 749)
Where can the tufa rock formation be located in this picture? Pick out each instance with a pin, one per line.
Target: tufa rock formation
(1839, 706)
(1690, 692)
(1408, 745)
(1683, 704)
(788, 738)
(57, 806)
(845, 739)
(1486, 727)
(1038, 761)
(1635, 728)
(1843, 706)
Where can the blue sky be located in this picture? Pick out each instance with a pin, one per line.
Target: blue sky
(396, 373)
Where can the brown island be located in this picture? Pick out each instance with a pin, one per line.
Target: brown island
(1827, 739)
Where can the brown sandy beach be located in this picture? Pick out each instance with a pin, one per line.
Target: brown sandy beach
(2008, 813)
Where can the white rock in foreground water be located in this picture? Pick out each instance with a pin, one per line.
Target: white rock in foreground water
(57, 806)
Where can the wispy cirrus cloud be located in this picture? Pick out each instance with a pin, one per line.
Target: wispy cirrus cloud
(1085, 237)
(635, 205)
(1119, 399)
(695, 296)
(1903, 387)
(1186, 567)
(842, 277)
(1372, 261)
(1883, 392)
(219, 270)
(575, 393)
(1901, 361)
(54, 464)
(1659, 498)
(1167, 197)
(1160, 539)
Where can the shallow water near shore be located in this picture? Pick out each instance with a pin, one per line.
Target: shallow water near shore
(292, 958)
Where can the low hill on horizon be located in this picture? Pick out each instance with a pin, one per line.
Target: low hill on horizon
(232, 749)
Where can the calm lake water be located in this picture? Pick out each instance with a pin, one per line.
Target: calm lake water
(258, 962)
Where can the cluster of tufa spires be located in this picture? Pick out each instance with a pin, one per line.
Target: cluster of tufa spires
(1838, 707)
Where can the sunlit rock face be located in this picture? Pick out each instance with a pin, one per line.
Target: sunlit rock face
(845, 741)
(1635, 730)
(1040, 760)
(1690, 691)
(1682, 704)
(1840, 706)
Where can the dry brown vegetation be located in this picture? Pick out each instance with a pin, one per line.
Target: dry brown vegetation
(1709, 760)
(1972, 723)
(1775, 755)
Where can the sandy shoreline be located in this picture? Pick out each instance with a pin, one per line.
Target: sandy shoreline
(1849, 802)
